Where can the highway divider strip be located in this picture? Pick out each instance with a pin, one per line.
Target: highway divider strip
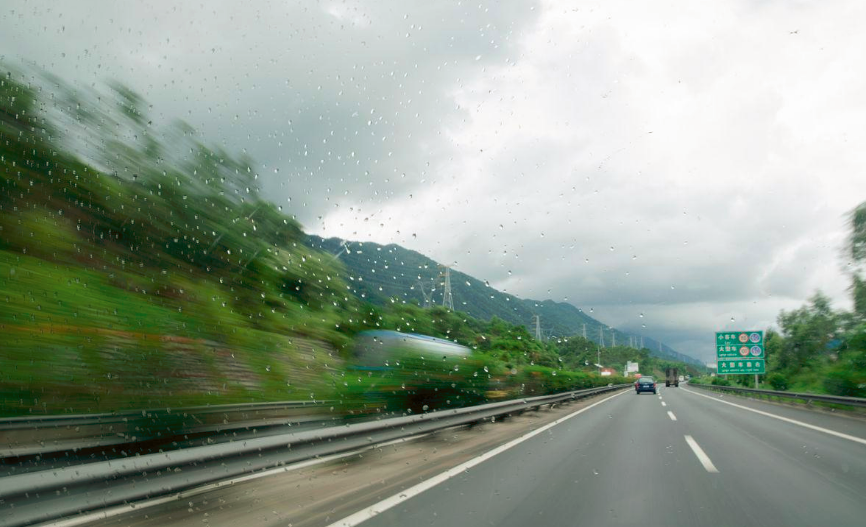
(39, 435)
(124, 509)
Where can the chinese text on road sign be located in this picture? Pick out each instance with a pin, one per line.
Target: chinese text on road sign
(740, 352)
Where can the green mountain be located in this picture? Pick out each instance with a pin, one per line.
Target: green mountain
(380, 273)
(142, 268)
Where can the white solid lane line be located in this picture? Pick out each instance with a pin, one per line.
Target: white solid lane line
(787, 420)
(664, 403)
(672, 416)
(701, 455)
(378, 508)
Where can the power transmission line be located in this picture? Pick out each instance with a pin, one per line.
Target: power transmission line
(601, 332)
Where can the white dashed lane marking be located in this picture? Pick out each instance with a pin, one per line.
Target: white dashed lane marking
(701, 455)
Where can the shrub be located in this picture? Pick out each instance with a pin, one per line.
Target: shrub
(720, 381)
(846, 383)
(778, 381)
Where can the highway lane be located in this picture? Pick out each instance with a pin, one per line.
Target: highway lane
(840, 421)
(627, 462)
(317, 492)
(623, 460)
(792, 473)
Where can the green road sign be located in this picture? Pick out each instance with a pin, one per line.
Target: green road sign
(740, 345)
(733, 366)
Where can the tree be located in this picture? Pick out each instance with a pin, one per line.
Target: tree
(807, 332)
(857, 252)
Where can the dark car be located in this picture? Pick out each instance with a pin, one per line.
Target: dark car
(645, 384)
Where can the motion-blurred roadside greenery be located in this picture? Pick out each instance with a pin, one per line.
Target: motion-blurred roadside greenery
(142, 268)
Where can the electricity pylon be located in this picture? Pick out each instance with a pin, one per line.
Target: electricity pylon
(428, 299)
(447, 297)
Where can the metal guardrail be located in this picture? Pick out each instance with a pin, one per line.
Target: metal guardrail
(64, 419)
(29, 435)
(50, 494)
(808, 397)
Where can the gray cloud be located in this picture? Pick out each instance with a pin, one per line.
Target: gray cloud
(690, 163)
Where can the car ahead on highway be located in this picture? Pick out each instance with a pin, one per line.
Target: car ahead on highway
(645, 384)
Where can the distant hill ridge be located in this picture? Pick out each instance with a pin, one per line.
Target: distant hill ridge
(378, 273)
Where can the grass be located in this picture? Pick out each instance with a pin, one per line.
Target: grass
(78, 340)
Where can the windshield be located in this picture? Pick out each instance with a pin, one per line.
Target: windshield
(409, 262)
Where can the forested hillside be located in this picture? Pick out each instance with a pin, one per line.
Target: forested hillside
(380, 272)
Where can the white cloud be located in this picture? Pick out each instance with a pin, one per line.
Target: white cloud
(695, 168)
(690, 161)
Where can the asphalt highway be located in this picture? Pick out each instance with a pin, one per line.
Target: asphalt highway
(686, 457)
(683, 457)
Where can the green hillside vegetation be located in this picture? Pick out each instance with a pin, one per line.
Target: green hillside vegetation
(141, 268)
(818, 350)
(510, 351)
(382, 273)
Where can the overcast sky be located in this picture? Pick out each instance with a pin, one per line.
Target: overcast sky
(684, 166)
